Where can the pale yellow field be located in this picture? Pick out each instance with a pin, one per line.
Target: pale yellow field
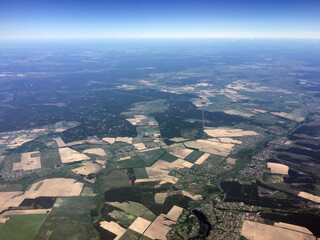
(113, 227)
(149, 149)
(174, 213)
(101, 162)
(133, 121)
(137, 120)
(259, 110)
(28, 162)
(288, 142)
(201, 159)
(60, 129)
(124, 158)
(55, 187)
(159, 228)
(181, 153)
(96, 151)
(60, 142)
(278, 168)
(20, 140)
(259, 231)
(124, 139)
(156, 172)
(293, 227)
(160, 197)
(180, 163)
(290, 116)
(109, 140)
(211, 146)
(10, 199)
(162, 179)
(38, 130)
(69, 155)
(27, 211)
(87, 168)
(193, 197)
(228, 132)
(309, 196)
(230, 140)
(140, 225)
(231, 160)
(236, 112)
(139, 146)
(159, 171)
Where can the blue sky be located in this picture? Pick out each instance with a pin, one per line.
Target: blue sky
(159, 19)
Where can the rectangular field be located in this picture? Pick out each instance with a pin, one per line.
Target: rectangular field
(194, 156)
(50, 158)
(22, 227)
(140, 173)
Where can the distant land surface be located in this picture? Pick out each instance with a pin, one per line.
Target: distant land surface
(160, 139)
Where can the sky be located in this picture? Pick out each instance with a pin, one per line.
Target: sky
(91, 19)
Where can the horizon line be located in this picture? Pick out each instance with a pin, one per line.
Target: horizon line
(160, 38)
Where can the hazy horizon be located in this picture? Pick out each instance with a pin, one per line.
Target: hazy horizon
(159, 19)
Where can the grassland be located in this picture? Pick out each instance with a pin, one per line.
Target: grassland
(194, 156)
(71, 218)
(133, 162)
(130, 234)
(136, 209)
(168, 157)
(22, 227)
(50, 158)
(123, 218)
(140, 173)
(150, 157)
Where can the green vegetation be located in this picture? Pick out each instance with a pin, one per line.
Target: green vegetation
(123, 218)
(168, 158)
(142, 159)
(150, 157)
(135, 209)
(22, 227)
(50, 158)
(219, 98)
(38, 186)
(87, 191)
(140, 173)
(71, 218)
(134, 161)
(194, 156)
(130, 234)
(143, 237)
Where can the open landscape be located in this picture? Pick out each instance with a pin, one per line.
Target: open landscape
(208, 140)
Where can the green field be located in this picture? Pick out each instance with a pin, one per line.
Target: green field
(71, 218)
(194, 156)
(140, 173)
(134, 161)
(1, 226)
(22, 227)
(123, 218)
(168, 157)
(130, 234)
(50, 158)
(135, 209)
(150, 157)
(38, 186)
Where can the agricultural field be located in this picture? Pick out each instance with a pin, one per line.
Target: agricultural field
(69, 216)
(184, 141)
(22, 227)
